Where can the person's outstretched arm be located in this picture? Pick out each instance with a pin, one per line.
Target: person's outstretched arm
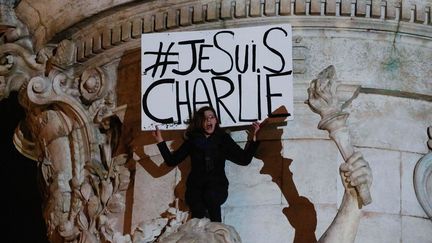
(174, 158)
(243, 156)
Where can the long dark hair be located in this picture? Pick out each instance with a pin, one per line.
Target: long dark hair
(196, 122)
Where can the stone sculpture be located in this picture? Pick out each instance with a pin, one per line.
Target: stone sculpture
(324, 101)
(72, 128)
(203, 231)
(423, 179)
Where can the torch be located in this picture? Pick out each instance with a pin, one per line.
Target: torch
(322, 99)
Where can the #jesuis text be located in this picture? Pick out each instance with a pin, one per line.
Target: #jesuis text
(198, 48)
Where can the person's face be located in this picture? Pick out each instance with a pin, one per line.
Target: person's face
(209, 122)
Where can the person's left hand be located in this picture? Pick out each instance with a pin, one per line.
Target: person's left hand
(255, 128)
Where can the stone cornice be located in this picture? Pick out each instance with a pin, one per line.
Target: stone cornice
(107, 36)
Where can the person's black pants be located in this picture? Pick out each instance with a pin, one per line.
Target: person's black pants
(206, 201)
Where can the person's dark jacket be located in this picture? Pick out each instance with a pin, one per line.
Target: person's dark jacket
(208, 156)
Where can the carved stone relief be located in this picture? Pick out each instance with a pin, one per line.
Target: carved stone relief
(77, 124)
(324, 101)
(73, 121)
(423, 179)
(71, 129)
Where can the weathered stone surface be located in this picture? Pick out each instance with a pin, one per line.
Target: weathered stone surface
(60, 15)
(248, 187)
(285, 7)
(376, 60)
(390, 122)
(416, 229)
(282, 167)
(146, 182)
(250, 221)
(315, 173)
(377, 227)
(386, 190)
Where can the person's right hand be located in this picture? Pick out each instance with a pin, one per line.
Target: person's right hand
(157, 135)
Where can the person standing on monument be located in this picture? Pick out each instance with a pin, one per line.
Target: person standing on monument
(208, 146)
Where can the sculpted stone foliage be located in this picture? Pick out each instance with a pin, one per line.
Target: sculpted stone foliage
(71, 129)
(18, 63)
(176, 229)
(73, 121)
(77, 136)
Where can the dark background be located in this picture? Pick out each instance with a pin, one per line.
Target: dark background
(22, 203)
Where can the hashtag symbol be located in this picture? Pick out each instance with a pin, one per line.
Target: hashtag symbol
(158, 61)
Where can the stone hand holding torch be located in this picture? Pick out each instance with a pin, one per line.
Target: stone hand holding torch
(324, 101)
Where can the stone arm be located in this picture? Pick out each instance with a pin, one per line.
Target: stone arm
(355, 172)
(344, 226)
(324, 101)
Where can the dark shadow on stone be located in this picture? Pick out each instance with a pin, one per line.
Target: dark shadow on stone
(157, 171)
(128, 75)
(23, 210)
(132, 139)
(300, 212)
(127, 225)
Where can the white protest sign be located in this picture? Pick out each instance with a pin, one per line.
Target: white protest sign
(245, 74)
